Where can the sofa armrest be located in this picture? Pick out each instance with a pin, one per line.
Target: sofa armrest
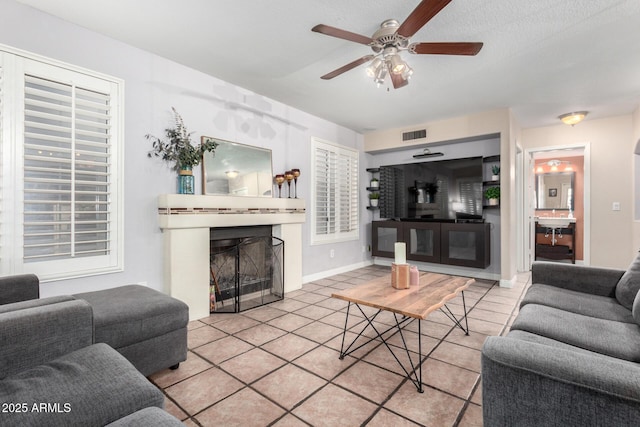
(36, 335)
(18, 288)
(591, 280)
(531, 384)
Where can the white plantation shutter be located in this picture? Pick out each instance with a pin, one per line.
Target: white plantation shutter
(335, 201)
(67, 156)
(67, 170)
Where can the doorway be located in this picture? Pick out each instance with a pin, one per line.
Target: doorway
(557, 181)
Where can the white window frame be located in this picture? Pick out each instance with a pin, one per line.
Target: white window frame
(353, 157)
(14, 64)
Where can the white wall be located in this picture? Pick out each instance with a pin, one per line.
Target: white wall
(209, 107)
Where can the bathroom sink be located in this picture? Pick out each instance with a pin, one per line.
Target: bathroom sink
(555, 222)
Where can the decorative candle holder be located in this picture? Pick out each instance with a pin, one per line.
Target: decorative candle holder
(400, 276)
(279, 179)
(288, 175)
(296, 174)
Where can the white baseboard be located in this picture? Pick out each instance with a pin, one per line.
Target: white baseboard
(508, 283)
(328, 273)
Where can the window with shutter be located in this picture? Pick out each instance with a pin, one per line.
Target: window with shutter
(67, 167)
(335, 199)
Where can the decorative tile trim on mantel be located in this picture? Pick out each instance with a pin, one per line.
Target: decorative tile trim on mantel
(180, 211)
(227, 211)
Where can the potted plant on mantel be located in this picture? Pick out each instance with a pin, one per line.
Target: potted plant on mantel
(180, 151)
(492, 194)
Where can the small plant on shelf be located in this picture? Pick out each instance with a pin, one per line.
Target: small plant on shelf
(374, 198)
(495, 170)
(374, 182)
(493, 195)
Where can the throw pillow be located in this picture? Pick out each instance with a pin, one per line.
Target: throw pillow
(629, 285)
(636, 309)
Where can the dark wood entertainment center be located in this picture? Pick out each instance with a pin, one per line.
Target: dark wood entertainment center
(464, 244)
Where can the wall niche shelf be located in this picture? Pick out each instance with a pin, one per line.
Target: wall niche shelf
(373, 189)
(488, 163)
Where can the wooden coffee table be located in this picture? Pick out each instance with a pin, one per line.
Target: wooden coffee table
(407, 305)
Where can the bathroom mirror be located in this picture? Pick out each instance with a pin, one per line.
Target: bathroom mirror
(555, 190)
(236, 170)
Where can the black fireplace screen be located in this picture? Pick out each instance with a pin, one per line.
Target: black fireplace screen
(246, 273)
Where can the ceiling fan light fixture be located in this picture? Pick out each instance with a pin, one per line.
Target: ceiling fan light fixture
(574, 118)
(380, 76)
(407, 72)
(232, 174)
(372, 69)
(396, 64)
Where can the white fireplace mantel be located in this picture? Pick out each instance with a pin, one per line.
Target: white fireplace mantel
(186, 221)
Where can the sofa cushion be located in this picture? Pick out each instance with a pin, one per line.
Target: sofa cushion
(629, 284)
(34, 303)
(539, 339)
(88, 387)
(152, 416)
(615, 339)
(636, 309)
(577, 302)
(19, 287)
(36, 335)
(129, 314)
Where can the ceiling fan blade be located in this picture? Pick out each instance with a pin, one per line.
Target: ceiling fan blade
(454, 48)
(347, 67)
(341, 34)
(398, 81)
(422, 14)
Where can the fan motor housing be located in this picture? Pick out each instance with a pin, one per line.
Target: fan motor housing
(386, 36)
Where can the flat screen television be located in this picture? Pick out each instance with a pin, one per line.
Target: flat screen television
(433, 190)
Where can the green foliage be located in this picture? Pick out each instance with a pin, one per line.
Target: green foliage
(179, 148)
(374, 195)
(495, 169)
(492, 193)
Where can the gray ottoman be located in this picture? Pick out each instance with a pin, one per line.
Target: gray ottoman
(147, 327)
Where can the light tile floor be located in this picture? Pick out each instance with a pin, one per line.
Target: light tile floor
(278, 365)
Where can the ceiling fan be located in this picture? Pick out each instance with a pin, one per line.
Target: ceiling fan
(391, 39)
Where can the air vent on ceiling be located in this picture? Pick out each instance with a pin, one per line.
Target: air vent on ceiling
(414, 134)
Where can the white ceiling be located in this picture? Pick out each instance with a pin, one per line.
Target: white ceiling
(541, 58)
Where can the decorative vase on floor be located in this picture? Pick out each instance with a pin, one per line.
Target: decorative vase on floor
(185, 180)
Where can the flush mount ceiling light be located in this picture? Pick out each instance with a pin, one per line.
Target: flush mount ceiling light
(232, 174)
(573, 119)
(553, 166)
(391, 39)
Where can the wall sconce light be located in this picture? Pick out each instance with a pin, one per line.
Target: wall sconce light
(573, 119)
(232, 174)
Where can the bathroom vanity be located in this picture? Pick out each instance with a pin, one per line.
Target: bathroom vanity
(555, 238)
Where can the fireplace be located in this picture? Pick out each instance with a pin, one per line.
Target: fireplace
(187, 222)
(246, 268)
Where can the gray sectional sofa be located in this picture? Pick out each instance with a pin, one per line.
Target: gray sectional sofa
(572, 356)
(53, 371)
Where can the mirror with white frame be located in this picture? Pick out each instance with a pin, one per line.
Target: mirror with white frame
(235, 169)
(555, 190)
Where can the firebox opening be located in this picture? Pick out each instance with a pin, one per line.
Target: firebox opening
(246, 268)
